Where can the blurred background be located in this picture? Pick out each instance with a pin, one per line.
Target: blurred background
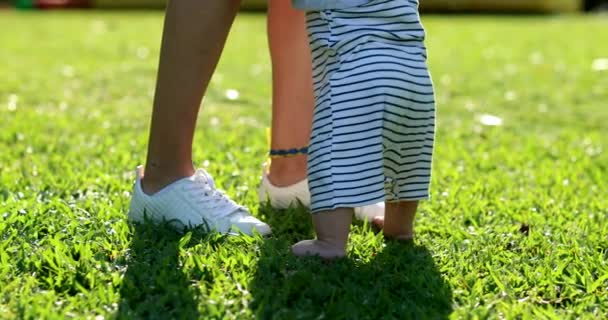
(426, 5)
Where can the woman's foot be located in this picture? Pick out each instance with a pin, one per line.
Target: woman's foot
(192, 202)
(283, 197)
(288, 192)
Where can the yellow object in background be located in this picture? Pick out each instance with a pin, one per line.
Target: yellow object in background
(268, 142)
(268, 137)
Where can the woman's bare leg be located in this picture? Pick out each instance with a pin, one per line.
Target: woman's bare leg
(292, 94)
(193, 38)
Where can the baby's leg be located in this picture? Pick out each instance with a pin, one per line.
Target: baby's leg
(332, 228)
(398, 220)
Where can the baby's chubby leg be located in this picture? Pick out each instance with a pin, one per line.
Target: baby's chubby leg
(332, 228)
(398, 220)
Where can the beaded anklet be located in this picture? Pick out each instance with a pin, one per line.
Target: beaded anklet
(281, 153)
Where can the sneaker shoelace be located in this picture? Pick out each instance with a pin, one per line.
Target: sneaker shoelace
(203, 192)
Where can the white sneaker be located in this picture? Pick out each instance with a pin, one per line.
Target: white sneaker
(191, 202)
(369, 212)
(285, 197)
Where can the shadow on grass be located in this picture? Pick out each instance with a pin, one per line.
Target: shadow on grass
(155, 286)
(400, 282)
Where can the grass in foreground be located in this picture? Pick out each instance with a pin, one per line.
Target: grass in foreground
(516, 228)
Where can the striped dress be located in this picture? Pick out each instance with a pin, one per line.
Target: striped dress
(374, 119)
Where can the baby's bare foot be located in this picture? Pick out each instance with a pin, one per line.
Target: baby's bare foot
(317, 248)
(392, 234)
(332, 228)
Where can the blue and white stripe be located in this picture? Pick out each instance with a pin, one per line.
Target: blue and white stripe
(374, 120)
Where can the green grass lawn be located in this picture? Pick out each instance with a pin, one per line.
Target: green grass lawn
(517, 227)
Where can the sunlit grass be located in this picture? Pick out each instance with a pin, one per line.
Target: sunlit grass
(516, 227)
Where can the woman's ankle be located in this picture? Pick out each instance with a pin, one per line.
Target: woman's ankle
(156, 178)
(284, 172)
